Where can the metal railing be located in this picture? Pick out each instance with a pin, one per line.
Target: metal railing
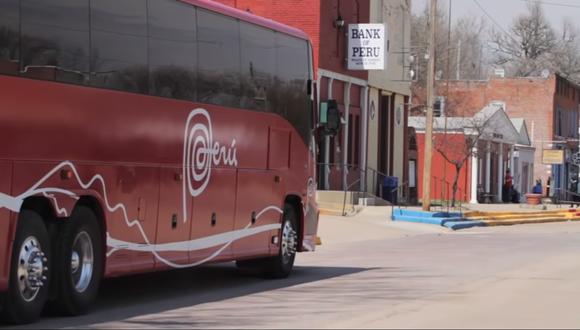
(352, 198)
(399, 192)
(443, 193)
(564, 196)
(357, 183)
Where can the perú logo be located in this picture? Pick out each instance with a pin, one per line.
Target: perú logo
(201, 153)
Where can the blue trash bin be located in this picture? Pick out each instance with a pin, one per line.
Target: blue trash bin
(390, 185)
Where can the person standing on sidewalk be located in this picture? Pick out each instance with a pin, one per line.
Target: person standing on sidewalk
(574, 191)
(507, 187)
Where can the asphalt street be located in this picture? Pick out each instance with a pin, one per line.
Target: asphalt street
(369, 273)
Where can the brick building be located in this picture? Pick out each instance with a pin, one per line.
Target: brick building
(500, 143)
(549, 106)
(372, 103)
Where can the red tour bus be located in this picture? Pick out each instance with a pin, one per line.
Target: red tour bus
(142, 135)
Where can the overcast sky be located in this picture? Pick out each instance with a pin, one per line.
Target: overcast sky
(504, 11)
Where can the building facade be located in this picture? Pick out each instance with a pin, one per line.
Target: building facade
(486, 145)
(549, 106)
(389, 92)
(372, 141)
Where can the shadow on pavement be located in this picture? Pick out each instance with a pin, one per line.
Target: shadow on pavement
(127, 297)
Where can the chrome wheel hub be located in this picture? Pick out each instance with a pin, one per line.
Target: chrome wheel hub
(75, 262)
(82, 261)
(32, 269)
(289, 241)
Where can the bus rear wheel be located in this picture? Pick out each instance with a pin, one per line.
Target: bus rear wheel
(29, 271)
(79, 263)
(279, 266)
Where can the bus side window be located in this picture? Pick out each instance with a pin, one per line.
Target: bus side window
(293, 101)
(219, 59)
(258, 67)
(172, 49)
(119, 45)
(55, 40)
(9, 37)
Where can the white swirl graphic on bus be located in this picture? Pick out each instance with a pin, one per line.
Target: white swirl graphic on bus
(201, 153)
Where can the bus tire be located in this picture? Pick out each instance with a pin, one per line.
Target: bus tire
(79, 262)
(279, 266)
(29, 271)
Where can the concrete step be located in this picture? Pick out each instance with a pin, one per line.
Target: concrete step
(457, 225)
(417, 213)
(427, 220)
(455, 221)
(524, 221)
(500, 213)
(515, 217)
(335, 209)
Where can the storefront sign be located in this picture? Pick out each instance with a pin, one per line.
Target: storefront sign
(553, 157)
(366, 46)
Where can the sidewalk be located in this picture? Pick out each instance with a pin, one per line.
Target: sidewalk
(372, 223)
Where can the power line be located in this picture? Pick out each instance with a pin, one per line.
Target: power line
(494, 21)
(552, 3)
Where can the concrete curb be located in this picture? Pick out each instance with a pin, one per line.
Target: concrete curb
(455, 221)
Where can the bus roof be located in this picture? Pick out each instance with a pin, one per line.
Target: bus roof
(248, 17)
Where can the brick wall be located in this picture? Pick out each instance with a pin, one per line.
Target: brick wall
(442, 170)
(333, 45)
(534, 99)
(315, 17)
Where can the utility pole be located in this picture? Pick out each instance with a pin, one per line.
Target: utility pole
(429, 116)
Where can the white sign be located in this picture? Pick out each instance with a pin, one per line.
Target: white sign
(366, 46)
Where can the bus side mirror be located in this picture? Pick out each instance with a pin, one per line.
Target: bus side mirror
(330, 117)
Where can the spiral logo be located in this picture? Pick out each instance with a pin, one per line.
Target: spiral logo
(201, 153)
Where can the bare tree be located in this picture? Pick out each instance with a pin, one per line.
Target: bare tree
(420, 41)
(468, 58)
(527, 49)
(459, 48)
(457, 152)
(566, 56)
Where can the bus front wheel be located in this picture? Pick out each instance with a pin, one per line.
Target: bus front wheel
(279, 266)
(79, 263)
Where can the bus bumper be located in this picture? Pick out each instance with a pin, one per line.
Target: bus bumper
(310, 229)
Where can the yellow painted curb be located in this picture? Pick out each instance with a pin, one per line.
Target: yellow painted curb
(516, 218)
(330, 212)
(525, 221)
